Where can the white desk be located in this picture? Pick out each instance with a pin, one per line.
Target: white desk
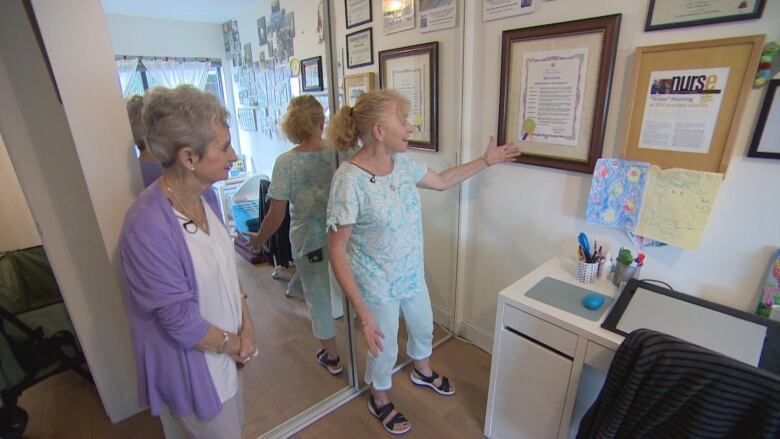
(539, 385)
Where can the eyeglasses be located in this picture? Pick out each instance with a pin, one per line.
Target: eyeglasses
(189, 225)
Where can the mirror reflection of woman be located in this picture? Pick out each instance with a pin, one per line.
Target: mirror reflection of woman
(188, 317)
(301, 177)
(150, 166)
(376, 239)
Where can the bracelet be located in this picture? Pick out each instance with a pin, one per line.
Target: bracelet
(485, 160)
(225, 339)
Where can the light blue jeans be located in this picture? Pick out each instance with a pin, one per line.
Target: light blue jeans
(316, 291)
(418, 316)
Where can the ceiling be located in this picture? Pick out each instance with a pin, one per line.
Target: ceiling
(202, 11)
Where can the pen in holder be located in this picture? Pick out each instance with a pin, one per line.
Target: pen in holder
(625, 272)
(587, 272)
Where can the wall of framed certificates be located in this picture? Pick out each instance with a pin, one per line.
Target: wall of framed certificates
(521, 215)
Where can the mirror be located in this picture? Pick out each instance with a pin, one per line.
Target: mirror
(440, 210)
(255, 57)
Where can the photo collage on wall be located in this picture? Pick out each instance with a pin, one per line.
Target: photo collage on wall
(262, 81)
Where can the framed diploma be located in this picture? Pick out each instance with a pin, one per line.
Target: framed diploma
(358, 12)
(554, 91)
(413, 71)
(356, 85)
(766, 137)
(670, 14)
(687, 100)
(397, 16)
(311, 74)
(360, 48)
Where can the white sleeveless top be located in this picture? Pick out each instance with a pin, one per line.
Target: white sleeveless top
(219, 293)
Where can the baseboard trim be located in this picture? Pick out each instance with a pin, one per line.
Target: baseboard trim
(480, 338)
(443, 317)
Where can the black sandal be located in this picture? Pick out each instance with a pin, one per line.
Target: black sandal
(333, 366)
(421, 380)
(383, 412)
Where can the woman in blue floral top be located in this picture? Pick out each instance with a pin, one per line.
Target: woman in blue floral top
(376, 241)
(302, 177)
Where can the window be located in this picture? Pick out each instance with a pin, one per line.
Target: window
(141, 81)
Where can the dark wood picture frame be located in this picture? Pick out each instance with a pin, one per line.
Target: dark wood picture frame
(609, 26)
(308, 63)
(346, 15)
(431, 51)
(763, 117)
(371, 49)
(758, 10)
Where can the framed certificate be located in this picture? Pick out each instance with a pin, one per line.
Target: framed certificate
(670, 14)
(360, 48)
(766, 137)
(356, 85)
(358, 12)
(311, 73)
(413, 72)
(687, 100)
(554, 91)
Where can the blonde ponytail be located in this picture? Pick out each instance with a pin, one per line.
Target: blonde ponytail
(342, 131)
(351, 123)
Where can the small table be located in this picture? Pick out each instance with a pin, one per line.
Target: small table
(548, 364)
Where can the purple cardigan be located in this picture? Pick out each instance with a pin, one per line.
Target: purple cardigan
(161, 299)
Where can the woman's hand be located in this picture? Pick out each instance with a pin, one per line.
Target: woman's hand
(497, 154)
(247, 349)
(372, 335)
(254, 242)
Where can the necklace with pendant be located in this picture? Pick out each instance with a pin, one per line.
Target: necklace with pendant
(203, 226)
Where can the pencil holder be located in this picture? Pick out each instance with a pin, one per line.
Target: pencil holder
(586, 273)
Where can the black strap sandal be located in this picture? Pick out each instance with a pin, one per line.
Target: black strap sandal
(383, 412)
(333, 366)
(427, 381)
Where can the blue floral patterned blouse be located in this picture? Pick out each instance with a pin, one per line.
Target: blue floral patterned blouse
(385, 248)
(303, 179)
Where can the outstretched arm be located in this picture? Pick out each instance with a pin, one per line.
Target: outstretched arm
(453, 176)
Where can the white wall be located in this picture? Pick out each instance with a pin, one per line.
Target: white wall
(518, 216)
(17, 228)
(142, 36)
(440, 209)
(154, 37)
(262, 149)
(79, 175)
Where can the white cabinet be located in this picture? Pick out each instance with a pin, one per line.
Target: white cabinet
(527, 368)
(548, 364)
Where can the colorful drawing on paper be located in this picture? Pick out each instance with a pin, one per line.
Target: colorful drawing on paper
(677, 204)
(616, 193)
(771, 294)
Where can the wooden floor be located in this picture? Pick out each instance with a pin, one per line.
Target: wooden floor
(431, 415)
(282, 382)
(66, 406)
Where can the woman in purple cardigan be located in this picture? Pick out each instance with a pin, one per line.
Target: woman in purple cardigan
(188, 317)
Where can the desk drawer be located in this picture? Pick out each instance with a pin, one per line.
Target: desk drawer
(598, 356)
(537, 329)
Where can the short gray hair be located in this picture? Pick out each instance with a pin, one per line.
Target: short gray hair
(179, 117)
